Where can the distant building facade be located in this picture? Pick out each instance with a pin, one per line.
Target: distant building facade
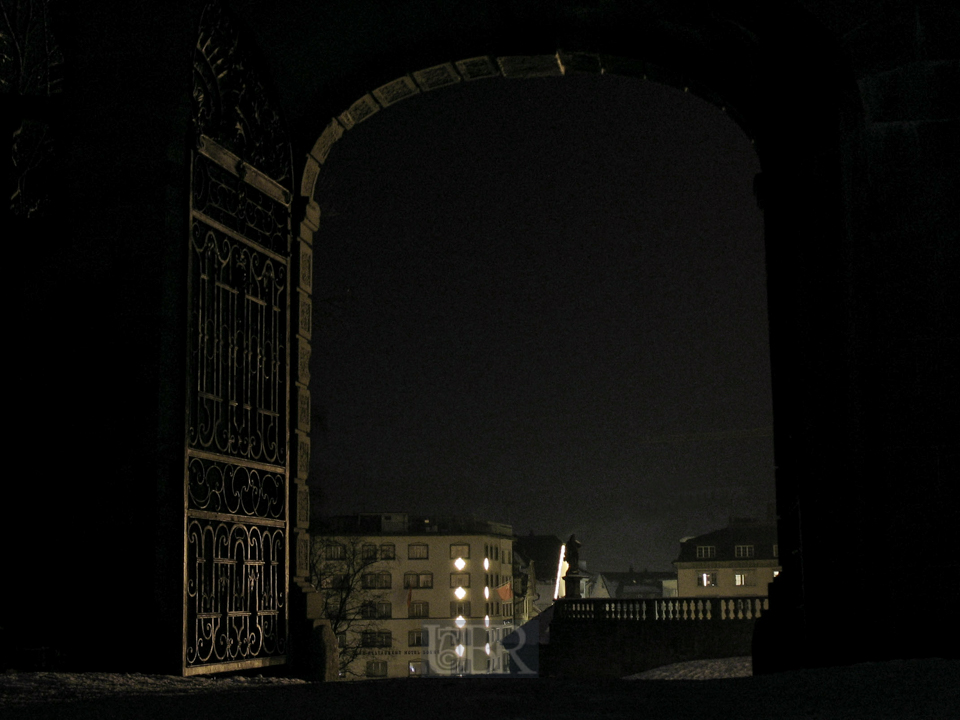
(644, 584)
(439, 593)
(739, 560)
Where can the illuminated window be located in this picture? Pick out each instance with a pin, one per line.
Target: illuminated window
(334, 551)
(380, 580)
(744, 551)
(745, 579)
(706, 551)
(417, 580)
(415, 638)
(707, 580)
(377, 668)
(459, 551)
(388, 551)
(419, 610)
(459, 580)
(368, 551)
(415, 667)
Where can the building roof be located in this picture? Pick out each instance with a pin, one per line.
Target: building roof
(762, 535)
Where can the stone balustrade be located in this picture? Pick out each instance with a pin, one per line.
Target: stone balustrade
(721, 608)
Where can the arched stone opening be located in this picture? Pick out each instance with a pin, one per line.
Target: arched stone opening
(798, 172)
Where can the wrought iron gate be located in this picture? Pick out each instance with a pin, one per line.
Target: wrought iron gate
(236, 479)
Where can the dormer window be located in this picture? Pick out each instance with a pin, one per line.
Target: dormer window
(706, 551)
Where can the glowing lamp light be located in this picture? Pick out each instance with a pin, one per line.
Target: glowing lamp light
(486, 648)
(486, 593)
(486, 621)
(460, 649)
(486, 563)
(460, 622)
(556, 592)
(460, 593)
(459, 564)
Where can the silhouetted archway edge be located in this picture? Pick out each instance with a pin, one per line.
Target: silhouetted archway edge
(750, 71)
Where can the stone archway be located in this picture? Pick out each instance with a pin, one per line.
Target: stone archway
(749, 113)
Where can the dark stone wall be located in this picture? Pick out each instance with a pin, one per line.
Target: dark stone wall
(617, 648)
(102, 442)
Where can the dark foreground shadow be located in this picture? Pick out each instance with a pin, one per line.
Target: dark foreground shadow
(898, 689)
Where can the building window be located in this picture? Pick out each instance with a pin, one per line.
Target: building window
(460, 608)
(341, 639)
(744, 579)
(459, 580)
(776, 550)
(377, 668)
(706, 551)
(419, 610)
(334, 551)
(707, 580)
(376, 638)
(415, 638)
(379, 581)
(459, 551)
(368, 551)
(375, 610)
(417, 580)
(388, 551)
(335, 582)
(744, 551)
(415, 667)
(418, 551)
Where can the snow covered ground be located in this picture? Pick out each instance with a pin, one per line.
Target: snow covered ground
(704, 690)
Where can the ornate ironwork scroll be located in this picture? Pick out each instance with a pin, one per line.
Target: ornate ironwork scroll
(236, 481)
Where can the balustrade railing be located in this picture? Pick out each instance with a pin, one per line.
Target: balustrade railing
(729, 608)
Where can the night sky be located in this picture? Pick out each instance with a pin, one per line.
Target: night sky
(543, 302)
